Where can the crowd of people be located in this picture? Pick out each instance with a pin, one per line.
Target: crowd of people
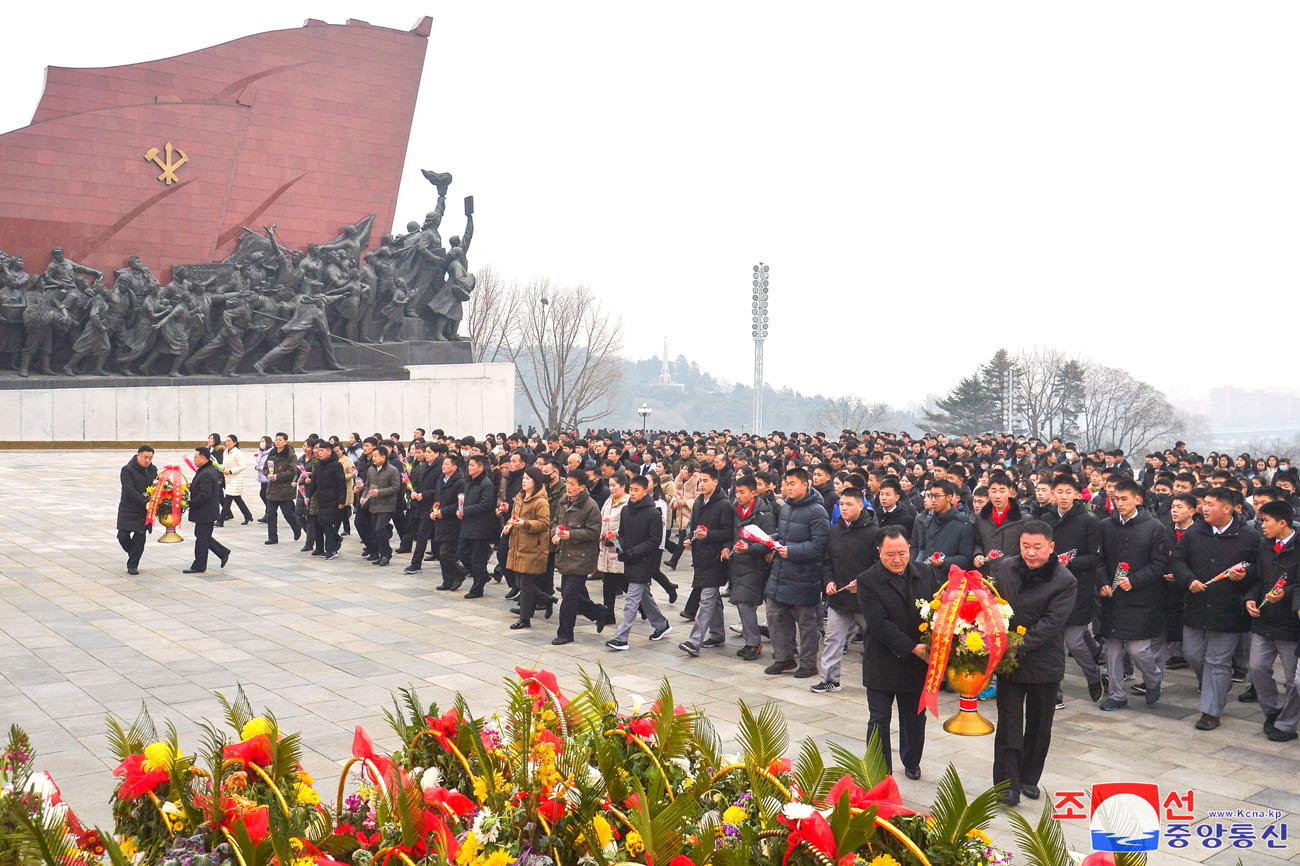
(1184, 562)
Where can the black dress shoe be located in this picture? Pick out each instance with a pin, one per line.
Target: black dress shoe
(561, 641)
(912, 773)
(1031, 791)
(1248, 696)
(550, 607)
(672, 593)
(131, 569)
(512, 594)
(520, 623)
(246, 522)
(1010, 799)
(384, 561)
(709, 643)
(805, 674)
(602, 620)
(305, 547)
(318, 553)
(225, 559)
(1277, 735)
(474, 593)
(194, 571)
(402, 550)
(270, 542)
(413, 569)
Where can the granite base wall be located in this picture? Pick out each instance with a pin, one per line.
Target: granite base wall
(459, 398)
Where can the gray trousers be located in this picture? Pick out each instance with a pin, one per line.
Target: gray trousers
(838, 628)
(1209, 654)
(639, 598)
(748, 624)
(782, 621)
(1143, 655)
(708, 618)
(1289, 715)
(1076, 642)
(1262, 652)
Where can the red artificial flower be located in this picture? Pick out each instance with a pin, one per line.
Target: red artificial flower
(362, 748)
(887, 800)
(543, 679)
(136, 781)
(455, 802)
(969, 609)
(643, 727)
(857, 796)
(311, 852)
(366, 841)
(444, 727)
(551, 810)
(779, 766)
(254, 750)
(633, 801)
(816, 832)
(681, 860)
(1124, 565)
(233, 813)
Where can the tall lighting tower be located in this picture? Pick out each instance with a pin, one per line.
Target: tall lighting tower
(759, 308)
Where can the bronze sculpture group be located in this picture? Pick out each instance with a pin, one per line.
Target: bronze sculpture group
(264, 306)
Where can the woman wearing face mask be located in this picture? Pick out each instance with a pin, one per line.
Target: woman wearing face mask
(264, 446)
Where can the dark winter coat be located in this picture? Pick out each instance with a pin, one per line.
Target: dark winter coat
(131, 507)
(329, 486)
(1041, 600)
(480, 521)
(578, 553)
(949, 534)
(749, 570)
(1276, 620)
(1201, 555)
(446, 529)
(803, 528)
(902, 515)
(851, 549)
(640, 532)
(887, 602)
(283, 464)
(1079, 531)
(205, 494)
(1137, 614)
(425, 483)
(990, 536)
(718, 517)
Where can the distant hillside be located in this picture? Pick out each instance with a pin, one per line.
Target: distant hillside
(702, 402)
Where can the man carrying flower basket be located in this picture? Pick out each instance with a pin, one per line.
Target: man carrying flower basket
(1041, 593)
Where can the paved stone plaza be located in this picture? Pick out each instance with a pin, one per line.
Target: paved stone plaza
(322, 643)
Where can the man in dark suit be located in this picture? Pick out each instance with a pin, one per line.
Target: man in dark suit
(137, 475)
(894, 660)
(205, 510)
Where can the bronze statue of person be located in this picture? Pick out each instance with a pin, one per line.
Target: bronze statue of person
(236, 319)
(448, 304)
(14, 282)
(43, 312)
(173, 327)
(93, 342)
(61, 273)
(394, 311)
(308, 320)
(140, 335)
(267, 311)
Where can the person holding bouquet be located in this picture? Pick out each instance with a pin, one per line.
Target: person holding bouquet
(1075, 528)
(997, 524)
(894, 659)
(942, 537)
(205, 510)
(1215, 563)
(714, 519)
(1274, 626)
(640, 532)
(850, 550)
(575, 535)
(1041, 593)
(1134, 548)
(749, 564)
(794, 590)
(528, 530)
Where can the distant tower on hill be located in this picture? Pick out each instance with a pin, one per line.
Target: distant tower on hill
(666, 376)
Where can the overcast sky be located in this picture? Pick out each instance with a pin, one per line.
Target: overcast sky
(927, 181)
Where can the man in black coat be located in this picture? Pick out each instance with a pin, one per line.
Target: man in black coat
(997, 526)
(893, 510)
(850, 550)
(424, 493)
(894, 660)
(329, 484)
(942, 529)
(713, 522)
(446, 526)
(640, 534)
(1041, 593)
(205, 510)
(1132, 614)
(749, 564)
(1274, 628)
(479, 525)
(136, 476)
(1074, 528)
(794, 588)
(1214, 613)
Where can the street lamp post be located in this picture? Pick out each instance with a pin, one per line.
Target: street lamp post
(759, 310)
(644, 411)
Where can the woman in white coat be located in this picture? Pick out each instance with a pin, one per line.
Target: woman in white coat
(233, 466)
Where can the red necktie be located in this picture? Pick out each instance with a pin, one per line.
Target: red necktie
(1277, 547)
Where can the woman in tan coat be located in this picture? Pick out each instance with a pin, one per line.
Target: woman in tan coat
(681, 502)
(529, 529)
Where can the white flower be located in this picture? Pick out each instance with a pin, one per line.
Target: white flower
(611, 850)
(728, 760)
(683, 763)
(637, 702)
(797, 811)
(431, 778)
(42, 785)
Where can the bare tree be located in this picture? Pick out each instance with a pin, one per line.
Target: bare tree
(566, 352)
(490, 319)
(1121, 412)
(851, 412)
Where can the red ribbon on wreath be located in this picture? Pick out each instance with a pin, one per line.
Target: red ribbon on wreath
(966, 596)
(170, 475)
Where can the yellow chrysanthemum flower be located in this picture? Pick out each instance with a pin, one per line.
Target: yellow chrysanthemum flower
(157, 756)
(498, 858)
(934, 605)
(306, 778)
(253, 727)
(480, 789)
(468, 850)
(633, 844)
(734, 815)
(883, 860)
(604, 832)
(974, 642)
(1020, 630)
(129, 847)
(981, 835)
(305, 794)
(923, 626)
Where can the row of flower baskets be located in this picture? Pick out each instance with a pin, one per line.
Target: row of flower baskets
(548, 780)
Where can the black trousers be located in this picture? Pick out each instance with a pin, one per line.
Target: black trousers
(423, 534)
(381, 533)
(575, 602)
(527, 584)
(911, 725)
(284, 507)
(1024, 732)
(452, 575)
(132, 542)
(317, 534)
(329, 532)
(614, 586)
(205, 543)
(473, 554)
(227, 514)
(261, 492)
(365, 528)
(692, 602)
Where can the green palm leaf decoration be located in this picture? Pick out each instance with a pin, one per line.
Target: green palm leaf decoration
(866, 771)
(810, 772)
(763, 737)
